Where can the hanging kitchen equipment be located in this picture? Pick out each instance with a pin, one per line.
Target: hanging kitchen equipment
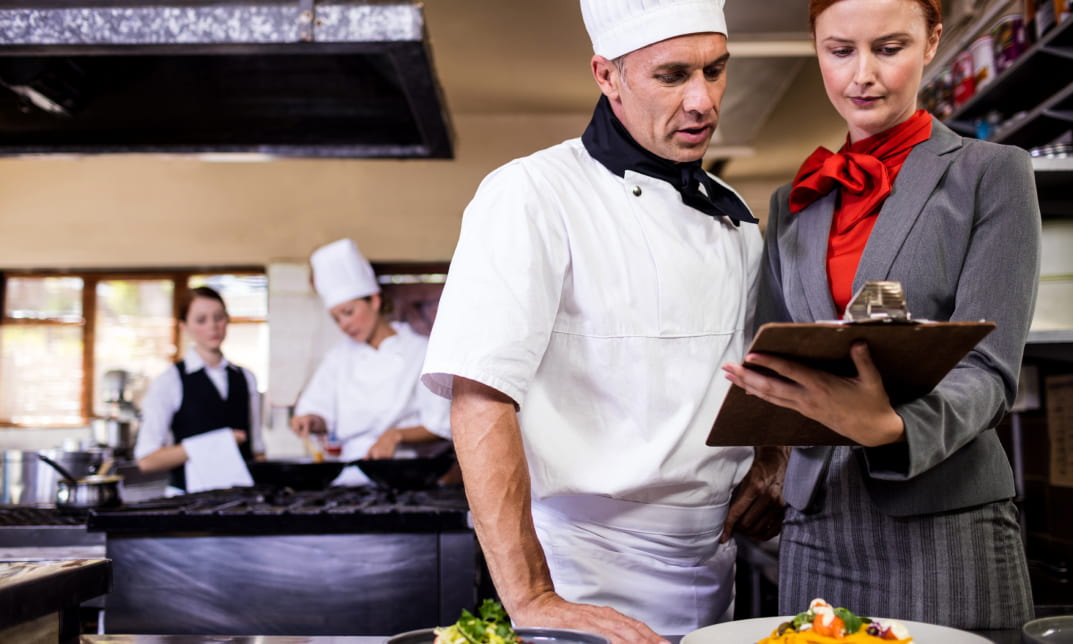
(114, 432)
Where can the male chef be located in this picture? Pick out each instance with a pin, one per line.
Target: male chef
(596, 288)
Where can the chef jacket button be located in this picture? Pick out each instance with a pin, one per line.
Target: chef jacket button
(637, 191)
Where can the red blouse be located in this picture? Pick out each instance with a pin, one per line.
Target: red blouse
(864, 173)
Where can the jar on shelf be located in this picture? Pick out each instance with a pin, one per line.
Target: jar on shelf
(964, 78)
(987, 124)
(1008, 40)
(944, 93)
(1040, 17)
(983, 61)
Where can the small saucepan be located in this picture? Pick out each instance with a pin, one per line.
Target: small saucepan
(86, 493)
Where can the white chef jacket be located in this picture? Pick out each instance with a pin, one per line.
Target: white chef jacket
(604, 307)
(361, 392)
(606, 316)
(165, 396)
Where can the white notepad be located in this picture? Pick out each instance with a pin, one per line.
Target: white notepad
(213, 462)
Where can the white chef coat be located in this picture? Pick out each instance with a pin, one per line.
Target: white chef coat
(361, 392)
(165, 396)
(604, 307)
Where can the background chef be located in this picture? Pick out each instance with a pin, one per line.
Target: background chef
(366, 391)
(595, 287)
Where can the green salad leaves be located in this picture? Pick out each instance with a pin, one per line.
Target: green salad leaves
(492, 627)
(853, 622)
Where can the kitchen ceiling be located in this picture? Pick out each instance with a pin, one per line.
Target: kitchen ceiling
(533, 58)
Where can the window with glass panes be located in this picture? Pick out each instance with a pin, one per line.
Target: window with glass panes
(60, 334)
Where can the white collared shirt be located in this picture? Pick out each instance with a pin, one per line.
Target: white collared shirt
(604, 307)
(165, 396)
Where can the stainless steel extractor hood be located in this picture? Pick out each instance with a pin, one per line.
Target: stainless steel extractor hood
(295, 78)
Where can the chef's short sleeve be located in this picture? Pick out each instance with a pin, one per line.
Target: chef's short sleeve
(434, 412)
(503, 288)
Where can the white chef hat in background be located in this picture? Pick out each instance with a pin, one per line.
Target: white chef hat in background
(341, 273)
(617, 27)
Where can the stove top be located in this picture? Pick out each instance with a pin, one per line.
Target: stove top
(12, 516)
(276, 510)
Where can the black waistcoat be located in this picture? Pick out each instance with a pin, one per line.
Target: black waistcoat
(203, 410)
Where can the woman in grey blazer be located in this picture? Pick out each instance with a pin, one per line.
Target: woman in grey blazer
(917, 522)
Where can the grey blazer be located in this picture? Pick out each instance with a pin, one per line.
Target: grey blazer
(961, 232)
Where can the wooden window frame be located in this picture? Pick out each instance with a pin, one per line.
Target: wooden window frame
(180, 279)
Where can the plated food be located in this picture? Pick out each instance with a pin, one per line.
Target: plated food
(492, 627)
(748, 631)
(826, 624)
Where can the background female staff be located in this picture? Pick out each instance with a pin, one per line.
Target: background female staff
(366, 390)
(202, 393)
(917, 522)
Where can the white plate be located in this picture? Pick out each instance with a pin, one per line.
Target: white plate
(750, 631)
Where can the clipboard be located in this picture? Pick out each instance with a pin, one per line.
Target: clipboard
(912, 357)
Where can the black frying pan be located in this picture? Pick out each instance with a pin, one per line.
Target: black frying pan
(298, 474)
(407, 473)
(392, 473)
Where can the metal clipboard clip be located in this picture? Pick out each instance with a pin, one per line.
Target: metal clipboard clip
(878, 302)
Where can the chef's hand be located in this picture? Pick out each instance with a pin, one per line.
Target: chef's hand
(856, 407)
(308, 424)
(385, 445)
(240, 435)
(552, 611)
(756, 507)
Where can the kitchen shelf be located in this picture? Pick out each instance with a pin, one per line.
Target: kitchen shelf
(1044, 123)
(1050, 344)
(1054, 177)
(1038, 83)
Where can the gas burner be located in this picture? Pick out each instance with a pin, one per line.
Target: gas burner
(256, 509)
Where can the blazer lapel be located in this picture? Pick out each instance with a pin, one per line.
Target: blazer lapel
(916, 181)
(813, 228)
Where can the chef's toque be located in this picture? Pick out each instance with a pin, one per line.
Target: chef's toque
(617, 27)
(341, 274)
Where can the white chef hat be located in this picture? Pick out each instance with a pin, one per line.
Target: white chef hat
(617, 27)
(341, 274)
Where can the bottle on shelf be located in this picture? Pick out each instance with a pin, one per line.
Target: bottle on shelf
(1008, 40)
(1040, 17)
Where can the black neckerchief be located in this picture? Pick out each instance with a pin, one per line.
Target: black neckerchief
(607, 140)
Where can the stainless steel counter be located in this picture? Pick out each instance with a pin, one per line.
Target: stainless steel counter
(235, 639)
(998, 637)
(40, 599)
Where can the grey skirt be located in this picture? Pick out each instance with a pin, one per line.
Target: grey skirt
(964, 569)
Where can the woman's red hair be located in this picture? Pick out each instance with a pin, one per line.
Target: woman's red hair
(933, 12)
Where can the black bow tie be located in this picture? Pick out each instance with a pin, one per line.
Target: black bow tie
(607, 140)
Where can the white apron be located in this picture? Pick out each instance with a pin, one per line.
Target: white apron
(660, 564)
(362, 392)
(375, 393)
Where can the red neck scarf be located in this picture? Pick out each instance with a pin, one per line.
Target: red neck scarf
(864, 173)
